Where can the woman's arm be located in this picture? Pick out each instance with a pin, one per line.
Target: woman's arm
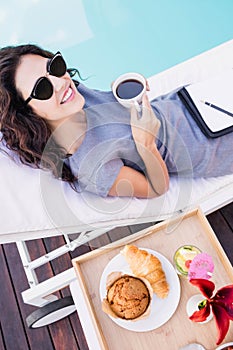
(145, 130)
(130, 182)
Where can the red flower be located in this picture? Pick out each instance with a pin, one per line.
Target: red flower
(221, 304)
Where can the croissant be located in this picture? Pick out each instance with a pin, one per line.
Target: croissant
(144, 264)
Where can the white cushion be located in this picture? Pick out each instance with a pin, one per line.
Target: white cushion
(33, 204)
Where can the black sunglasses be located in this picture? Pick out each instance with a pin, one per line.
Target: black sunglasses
(43, 88)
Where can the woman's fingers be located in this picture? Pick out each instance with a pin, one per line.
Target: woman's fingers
(134, 114)
(147, 86)
(146, 110)
(147, 118)
(145, 101)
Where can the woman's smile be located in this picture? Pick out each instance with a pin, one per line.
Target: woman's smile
(68, 95)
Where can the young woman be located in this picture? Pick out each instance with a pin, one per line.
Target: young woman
(87, 138)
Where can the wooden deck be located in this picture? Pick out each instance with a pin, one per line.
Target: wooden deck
(67, 333)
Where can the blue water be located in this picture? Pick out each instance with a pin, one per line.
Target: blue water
(105, 38)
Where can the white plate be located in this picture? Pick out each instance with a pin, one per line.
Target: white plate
(161, 309)
(224, 346)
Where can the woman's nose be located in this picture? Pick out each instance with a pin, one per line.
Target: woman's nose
(58, 82)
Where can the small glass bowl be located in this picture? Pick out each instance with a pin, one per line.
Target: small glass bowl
(183, 257)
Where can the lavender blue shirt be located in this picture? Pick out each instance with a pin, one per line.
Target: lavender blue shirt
(108, 144)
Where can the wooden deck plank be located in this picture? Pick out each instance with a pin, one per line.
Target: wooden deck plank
(11, 321)
(61, 333)
(138, 227)
(2, 345)
(99, 242)
(118, 233)
(38, 339)
(72, 333)
(227, 212)
(223, 230)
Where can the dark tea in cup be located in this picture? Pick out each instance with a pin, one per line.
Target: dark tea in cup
(129, 89)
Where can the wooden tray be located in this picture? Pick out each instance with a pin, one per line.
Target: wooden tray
(191, 228)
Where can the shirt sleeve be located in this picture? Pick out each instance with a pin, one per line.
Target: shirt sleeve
(100, 180)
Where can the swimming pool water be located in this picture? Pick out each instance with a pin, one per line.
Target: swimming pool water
(105, 38)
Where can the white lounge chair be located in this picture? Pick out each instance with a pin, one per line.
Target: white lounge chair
(28, 196)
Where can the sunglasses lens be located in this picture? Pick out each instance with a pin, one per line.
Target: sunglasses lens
(57, 66)
(43, 89)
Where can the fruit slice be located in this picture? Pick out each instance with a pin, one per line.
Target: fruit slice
(183, 257)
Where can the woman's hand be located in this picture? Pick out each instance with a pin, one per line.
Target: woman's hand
(146, 127)
(155, 180)
(144, 131)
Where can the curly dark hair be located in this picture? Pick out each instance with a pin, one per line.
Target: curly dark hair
(23, 131)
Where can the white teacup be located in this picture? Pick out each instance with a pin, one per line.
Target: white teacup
(129, 88)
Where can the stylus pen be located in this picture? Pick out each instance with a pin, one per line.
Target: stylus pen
(217, 108)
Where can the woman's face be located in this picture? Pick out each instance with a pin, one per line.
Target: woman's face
(65, 102)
